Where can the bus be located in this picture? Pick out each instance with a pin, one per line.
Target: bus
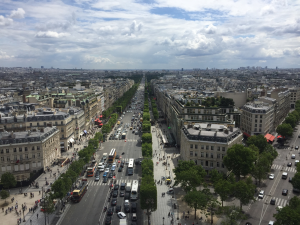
(134, 190)
(79, 192)
(91, 169)
(112, 156)
(130, 167)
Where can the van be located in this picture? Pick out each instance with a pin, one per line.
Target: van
(117, 137)
(134, 218)
(118, 122)
(284, 175)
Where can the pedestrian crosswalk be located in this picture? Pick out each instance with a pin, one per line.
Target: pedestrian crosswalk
(127, 140)
(100, 182)
(278, 201)
(284, 168)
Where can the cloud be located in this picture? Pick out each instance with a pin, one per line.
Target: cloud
(5, 21)
(267, 10)
(262, 61)
(4, 55)
(93, 59)
(18, 14)
(50, 34)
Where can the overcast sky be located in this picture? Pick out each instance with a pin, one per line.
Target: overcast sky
(150, 34)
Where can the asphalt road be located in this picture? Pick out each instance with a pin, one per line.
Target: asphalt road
(261, 211)
(89, 210)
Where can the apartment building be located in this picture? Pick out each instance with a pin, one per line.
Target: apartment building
(26, 152)
(295, 96)
(206, 144)
(258, 117)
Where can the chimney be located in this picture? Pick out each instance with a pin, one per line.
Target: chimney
(225, 131)
(12, 135)
(29, 132)
(231, 129)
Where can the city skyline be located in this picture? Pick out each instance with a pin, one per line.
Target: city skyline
(128, 34)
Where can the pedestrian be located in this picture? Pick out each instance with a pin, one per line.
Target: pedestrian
(37, 215)
(30, 222)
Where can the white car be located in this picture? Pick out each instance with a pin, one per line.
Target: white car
(121, 215)
(271, 176)
(261, 194)
(293, 156)
(106, 170)
(271, 222)
(101, 168)
(114, 164)
(126, 202)
(296, 161)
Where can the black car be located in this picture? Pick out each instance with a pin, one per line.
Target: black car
(118, 208)
(108, 220)
(289, 164)
(110, 175)
(127, 208)
(127, 196)
(122, 164)
(115, 193)
(116, 187)
(273, 201)
(290, 179)
(122, 193)
(110, 211)
(114, 202)
(120, 169)
(133, 207)
(285, 192)
(123, 185)
(105, 179)
(117, 156)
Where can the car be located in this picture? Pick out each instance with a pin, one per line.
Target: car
(116, 187)
(285, 192)
(248, 223)
(122, 164)
(117, 156)
(261, 194)
(296, 161)
(113, 168)
(122, 193)
(110, 211)
(127, 208)
(123, 185)
(118, 208)
(271, 222)
(271, 176)
(133, 207)
(290, 179)
(114, 202)
(105, 174)
(289, 164)
(108, 220)
(104, 179)
(296, 147)
(101, 168)
(115, 193)
(121, 215)
(127, 195)
(273, 201)
(110, 175)
(293, 156)
(134, 218)
(114, 164)
(120, 169)
(97, 177)
(106, 169)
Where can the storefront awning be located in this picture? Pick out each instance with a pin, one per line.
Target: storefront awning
(101, 116)
(71, 140)
(246, 134)
(272, 138)
(269, 137)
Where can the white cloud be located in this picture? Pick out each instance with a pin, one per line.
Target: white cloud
(268, 9)
(262, 61)
(18, 14)
(5, 21)
(50, 34)
(93, 59)
(4, 55)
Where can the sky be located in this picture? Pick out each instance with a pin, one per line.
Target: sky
(149, 34)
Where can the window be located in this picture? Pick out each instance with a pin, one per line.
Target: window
(206, 163)
(44, 123)
(255, 116)
(26, 149)
(223, 156)
(222, 165)
(218, 156)
(8, 159)
(218, 164)
(196, 146)
(218, 148)
(223, 149)
(7, 150)
(211, 147)
(33, 156)
(1, 151)
(37, 124)
(207, 147)
(202, 146)
(260, 116)
(39, 155)
(2, 158)
(32, 148)
(191, 146)
(255, 121)
(201, 162)
(61, 122)
(255, 125)
(55, 122)
(62, 129)
(202, 154)
(62, 136)
(20, 149)
(26, 156)
(212, 155)
(15, 149)
(206, 154)
(38, 148)
(260, 121)
(191, 153)
(196, 154)
(211, 164)
(259, 130)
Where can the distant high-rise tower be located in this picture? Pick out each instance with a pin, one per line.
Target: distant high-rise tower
(181, 69)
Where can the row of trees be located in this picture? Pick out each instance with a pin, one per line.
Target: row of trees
(106, 128)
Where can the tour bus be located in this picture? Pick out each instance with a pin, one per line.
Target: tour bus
(134, 190)
(130, 167)
(91, 169)
(112, 156)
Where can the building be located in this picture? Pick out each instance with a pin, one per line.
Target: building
(207, 144)
(258, 117)
(26, 152)
(295, 96)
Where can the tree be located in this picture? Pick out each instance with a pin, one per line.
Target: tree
(146, 127)
(146, 116)
(233, 215)
(296, 181)
(146, 150)
(262, 167)
(292, 120)
(215, 176)
(244, 191)
(196, 200)
(240, 160)
(8, 180)
(189, 175)
(290, 214)
(58, 188)
(148, 196)
(259, 141)
(285, 130)
(47, 204)
(147, 138)
(223, 188)
(4, 194)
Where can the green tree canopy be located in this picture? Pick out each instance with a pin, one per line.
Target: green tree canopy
(292, 120)
(8, 180)
(285, 130)
(240, 160)
(4, 194)
(244, 191)
(147, 138)
(146, 149)
(290, 214)
(223, 188)
(259, 141)
(262, 166)
(58, 188)
(196, 200)
(296, 181)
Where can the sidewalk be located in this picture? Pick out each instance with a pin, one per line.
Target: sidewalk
(37, 217)
(165, 205)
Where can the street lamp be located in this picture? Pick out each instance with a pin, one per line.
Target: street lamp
(23, 209)
(149, 202)
(163, 220)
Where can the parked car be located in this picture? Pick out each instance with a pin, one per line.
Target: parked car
(261, 194)
(271, 176)
(285, 192)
